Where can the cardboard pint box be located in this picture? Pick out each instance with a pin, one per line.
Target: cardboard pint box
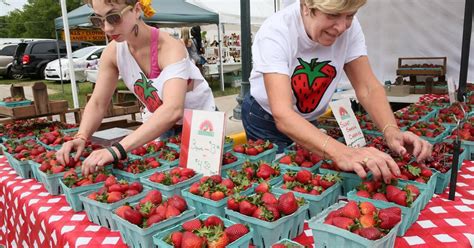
(397, 90)
(109, 136)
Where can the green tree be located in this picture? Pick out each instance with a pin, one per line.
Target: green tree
(36, 20)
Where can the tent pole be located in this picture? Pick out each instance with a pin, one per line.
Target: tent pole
(466, 42)
(246, 55)
(59, 59)
(221, 65)
(72, 75)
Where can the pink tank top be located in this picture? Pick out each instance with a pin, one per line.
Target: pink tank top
(155, 68)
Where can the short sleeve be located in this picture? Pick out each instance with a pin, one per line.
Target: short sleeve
(357, 46)
(270, 55)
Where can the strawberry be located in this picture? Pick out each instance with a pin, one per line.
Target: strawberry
(310, 81)
(133, 216)
(114, 197)
(178, 202)
(304, 176)
(120, 211)
(171, 212)
(389, 217)
(413, 190)
(286, 159)
(192, 225)
(351, 210)
(136, 186)
(265, 171)
(392, 191)
(367, 208)
(278, 246)
(220, 242)
(269, 199)
(342, 222)
(367, 220)
(175, 239)
(147, 93)
(369, 186)
(363, 193)
(287, 203)
(236, 231)
(217, 196)
(380, 197)
(370, 233)
(213, 221)
(401, 199)
(232, 204)
(247, 208)
(153, 219)
(191, 240)
(263, 187)
(154, 196)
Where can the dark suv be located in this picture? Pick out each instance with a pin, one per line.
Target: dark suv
(30, 58)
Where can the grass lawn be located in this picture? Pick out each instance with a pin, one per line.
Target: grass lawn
(86, 88)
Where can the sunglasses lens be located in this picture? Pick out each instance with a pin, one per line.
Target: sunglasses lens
(96, 21)
(114, 19)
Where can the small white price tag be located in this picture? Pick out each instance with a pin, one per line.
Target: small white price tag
(348, 123)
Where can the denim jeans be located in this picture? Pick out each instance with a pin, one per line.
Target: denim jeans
(259, 124)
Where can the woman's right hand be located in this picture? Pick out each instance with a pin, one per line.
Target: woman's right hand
(63, 154)
(358, 160)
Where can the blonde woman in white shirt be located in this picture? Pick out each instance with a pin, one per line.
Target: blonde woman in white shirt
(299, 55)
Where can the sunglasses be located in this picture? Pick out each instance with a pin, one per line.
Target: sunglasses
(114, 18)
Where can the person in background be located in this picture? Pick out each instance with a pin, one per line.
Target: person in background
(197, 40)
(299, 55)
(190, 45)
(153, 65)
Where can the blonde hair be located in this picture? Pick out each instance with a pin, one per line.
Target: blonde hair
(127, 2)
(185, 35)
(334, 6)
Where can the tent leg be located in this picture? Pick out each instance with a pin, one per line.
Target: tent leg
(59, 60)
(221, 65)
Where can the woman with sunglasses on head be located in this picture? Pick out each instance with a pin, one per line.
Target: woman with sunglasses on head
(153, 65)
(299, 55)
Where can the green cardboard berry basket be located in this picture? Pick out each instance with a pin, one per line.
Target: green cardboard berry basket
(101, 213)
(429, 187)
(228, 146)
(72, 194)
(286, 167)
(22, 167)
(51, 181)
(409, 214)
(290, 244)
(237, 165)
(168, 163)
(444, 178)
(242, 242)
(170, 190)
(208, 206)
(267, 156)
(349, 180)
(317, 203)
(326, 235)
(267, 233)
(135, 236)
(15, 104)
(440, 137)
(121, 174)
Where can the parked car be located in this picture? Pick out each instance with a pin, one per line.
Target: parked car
(82, 59)
(30, 58)
(6, 59)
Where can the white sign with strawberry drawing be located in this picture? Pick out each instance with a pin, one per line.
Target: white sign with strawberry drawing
(202, 141)
(347, 121)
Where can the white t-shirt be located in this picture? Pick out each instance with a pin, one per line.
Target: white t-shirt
(150, 91)
(282, 46)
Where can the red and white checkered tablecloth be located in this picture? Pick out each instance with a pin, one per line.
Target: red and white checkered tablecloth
(31, 217)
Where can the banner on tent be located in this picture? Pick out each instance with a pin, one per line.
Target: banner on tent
(85, 35)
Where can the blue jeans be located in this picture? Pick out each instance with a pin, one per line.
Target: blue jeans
(259, 124)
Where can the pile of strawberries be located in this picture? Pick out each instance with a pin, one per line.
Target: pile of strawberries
(138, 166)
(173, 176)
(54, 138)
(253, 148)
(455, 110)
(31, 127)
(308, 183)
(364, 219)
(228, 158)
(50, 164)
(168, 154)
(415, 171)
(114, 191)
(285, 244)
(24, 150)
(73, 180)
(427, 129)
(300, 157)
(265, 206)
(214, 187)
(404, 196)
(175, 140)
(150, 148)
(13, 99)
(466, 132)
(255, 172)
(207, 233)
(152, 209)
(442, 157)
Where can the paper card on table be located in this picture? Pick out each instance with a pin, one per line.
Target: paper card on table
(451, 90)
(202, 141)
(348, 123)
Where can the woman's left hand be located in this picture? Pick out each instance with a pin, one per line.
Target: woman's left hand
(403, 142)
(97, 158)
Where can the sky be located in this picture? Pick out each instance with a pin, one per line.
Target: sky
(13, 4)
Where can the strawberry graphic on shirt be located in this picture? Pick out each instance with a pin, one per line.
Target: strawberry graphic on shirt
(309, 83)
(147, 93)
